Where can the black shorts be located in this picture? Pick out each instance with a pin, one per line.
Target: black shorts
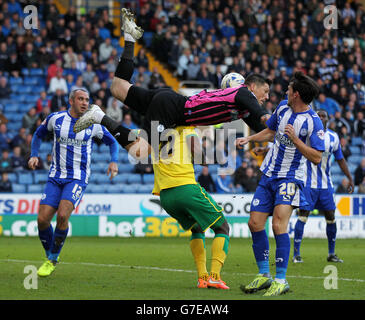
(163, 108)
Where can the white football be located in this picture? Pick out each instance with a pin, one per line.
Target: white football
(232, 80)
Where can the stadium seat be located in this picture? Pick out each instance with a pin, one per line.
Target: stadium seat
(355, 150)
(126, 168)
(12, 107)
(148, 178)
(134, 178)
(355, 159)
(356, 141)
(25, 178)
(19, 188)
(35, 188)
(130, 188)
(101, 178)
(96, 188)
(120, 178)
(13, 177)
(31, 81)
(36, 72)
(46, 147)
(14, 80)
(145, 188)
(97, 157)
(25, 71)
(113, 188)
(99, 167)
(123, 157)
(40, 177)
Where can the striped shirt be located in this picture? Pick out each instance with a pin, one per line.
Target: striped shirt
(284, 160)
(319, 176)
(71, 153)
(223, 105)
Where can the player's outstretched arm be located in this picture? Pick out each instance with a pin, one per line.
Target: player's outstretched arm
(112, 170)
(345, 169)
(263, 136)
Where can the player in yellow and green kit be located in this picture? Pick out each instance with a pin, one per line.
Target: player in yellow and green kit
(185, 200)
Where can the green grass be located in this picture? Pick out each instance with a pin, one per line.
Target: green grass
(163, 268)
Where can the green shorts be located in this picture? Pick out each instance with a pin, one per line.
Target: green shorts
(190, 204)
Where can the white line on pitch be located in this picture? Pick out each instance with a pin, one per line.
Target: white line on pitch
(162, 269)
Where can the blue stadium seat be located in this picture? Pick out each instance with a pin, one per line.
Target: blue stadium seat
(15, 122)
(47, 147)
(148, 178)
(12, 107)
(35, 188)
(96, 188)
(104, 149)
(126, 168)
(40, 177)
(113, 188)
(134, 178)
(13, 177)
(355, 159)
(130, 188)
(120, 178)
(25, 178)
(97, 157)
(19, 188)
(123, 157)
(25, 71)
(355, 150)
(14, 80)
(145, 188)
(30, 81)
(356, 141)
(101, 178)
(36, 72)
(99, 167)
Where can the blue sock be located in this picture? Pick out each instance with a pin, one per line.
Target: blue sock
(331, 231)
(282, 254)
(58, 240)
(298, 236)
(260, 248)
(46, 236)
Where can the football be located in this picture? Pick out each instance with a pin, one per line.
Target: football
(232, 80)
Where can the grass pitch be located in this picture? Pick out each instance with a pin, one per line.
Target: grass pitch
(163, 269)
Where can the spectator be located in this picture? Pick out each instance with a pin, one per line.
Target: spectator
(328, 104)
(58, 82)
(30, 57)
(88, 75)
(128, 123)
(361, 188)
(69, 57)
(5, 162)
(3, 119)
(345, 148)
(95, 85)
(114, 111)
(43, 101)
(13, 65)
(4, 88)
(141, 59)
(47, 164)
(343, 187)
(224, 184)
(105, 50)
(5, 184)
(54, 69)
(240, 174)
(102, 73)
(360, 172)
(156, 80)
(19, 138)
(58, 100)
(29, 120)
(193, 68)
(5, 137)
(250, 181)
(183, 63)
(359, 125)
(17, 161)
(206, 180)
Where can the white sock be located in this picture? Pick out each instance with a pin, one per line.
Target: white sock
(128, 37)
(282, 281)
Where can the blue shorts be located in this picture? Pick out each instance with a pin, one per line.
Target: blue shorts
(274, 191)
(63, 189)
(321, 199)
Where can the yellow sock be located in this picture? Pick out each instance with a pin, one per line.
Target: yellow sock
(219, 254)
(197, 246)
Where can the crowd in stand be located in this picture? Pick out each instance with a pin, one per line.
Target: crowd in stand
(199, 41)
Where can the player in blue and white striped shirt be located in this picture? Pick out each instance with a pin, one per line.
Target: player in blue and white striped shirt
(299, 135)
(319, 191)
(69, 172)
